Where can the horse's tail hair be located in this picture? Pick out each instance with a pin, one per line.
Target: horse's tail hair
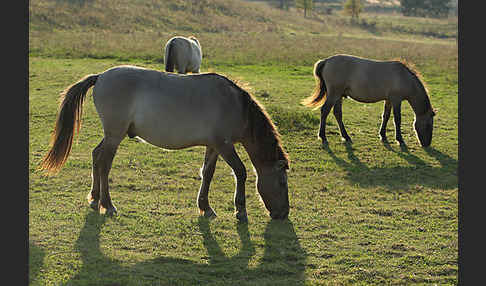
(68, 123)
(195, 40)
(169, 62)
(318, 97)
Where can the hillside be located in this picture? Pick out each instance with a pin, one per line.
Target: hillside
(242, 31)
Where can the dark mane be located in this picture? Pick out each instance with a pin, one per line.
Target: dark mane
(260, 127)
(263, 131)
(418, 77)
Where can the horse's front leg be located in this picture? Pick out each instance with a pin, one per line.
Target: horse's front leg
(397, 118)
(207, 172)
(385, 116)
(228, 152)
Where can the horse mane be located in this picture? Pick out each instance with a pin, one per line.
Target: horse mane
(260, 127)
(263, 131)
(410, 67)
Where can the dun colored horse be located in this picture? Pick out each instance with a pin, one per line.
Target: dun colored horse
(174, 111)
(184, 54)
(370, 81)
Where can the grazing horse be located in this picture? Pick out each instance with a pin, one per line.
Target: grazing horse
(370, 81)
(184, 54)
(174, 111)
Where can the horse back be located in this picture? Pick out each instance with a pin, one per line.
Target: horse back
(367, 80)
(186, 50)
(169, 110)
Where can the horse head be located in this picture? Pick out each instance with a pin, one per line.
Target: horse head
(424, 124)
(273, 189)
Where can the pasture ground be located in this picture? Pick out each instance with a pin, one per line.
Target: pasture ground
(365, 213)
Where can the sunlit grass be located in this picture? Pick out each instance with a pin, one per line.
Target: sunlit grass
(367, 213)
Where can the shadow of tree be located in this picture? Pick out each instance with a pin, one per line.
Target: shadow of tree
(283, 260)
(400, 177)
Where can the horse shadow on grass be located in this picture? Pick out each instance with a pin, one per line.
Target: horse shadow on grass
(36, 261)
(417, 173)
(283, 260)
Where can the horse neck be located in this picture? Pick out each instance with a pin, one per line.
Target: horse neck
(420, 102)
(255, 151)
(260, 138)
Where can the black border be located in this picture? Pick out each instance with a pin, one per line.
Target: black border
(15, 140)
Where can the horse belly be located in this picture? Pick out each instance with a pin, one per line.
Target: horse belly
(171, 133)
(367, 91)
(176, 126)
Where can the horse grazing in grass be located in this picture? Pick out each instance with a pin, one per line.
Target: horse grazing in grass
(174, 111)
(185, 54)
(370, 81)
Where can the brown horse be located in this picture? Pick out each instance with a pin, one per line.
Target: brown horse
(176, 111)
(370, 81)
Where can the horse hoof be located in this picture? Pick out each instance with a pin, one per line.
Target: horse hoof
(94, 205)
(324, 143)
(210, 214)
(241, 216)
(346, 139)
(108, 211)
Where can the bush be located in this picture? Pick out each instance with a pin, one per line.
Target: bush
(353, 8)
(427, 8)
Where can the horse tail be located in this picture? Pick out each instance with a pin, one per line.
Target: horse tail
(195, 40)
(319, 95)
(68, 123)
(169, 62)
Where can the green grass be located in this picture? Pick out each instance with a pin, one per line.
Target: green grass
(362, 214)
(367, 213)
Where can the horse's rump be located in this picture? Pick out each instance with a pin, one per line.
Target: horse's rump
(184, 54)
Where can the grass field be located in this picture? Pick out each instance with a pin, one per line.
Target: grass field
(362, 214)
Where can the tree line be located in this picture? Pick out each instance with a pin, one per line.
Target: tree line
(417, 8)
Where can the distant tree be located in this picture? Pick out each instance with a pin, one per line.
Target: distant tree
(411, 7)
(439, 8)
(284, 4)
(304, 4)
(353, 8)
(426, 8)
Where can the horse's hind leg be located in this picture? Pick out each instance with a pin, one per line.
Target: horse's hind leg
(338, 114)
(385, 116)
(104, 162)
(207, 172)
(325, 109)
(181, 69)
(94, 195)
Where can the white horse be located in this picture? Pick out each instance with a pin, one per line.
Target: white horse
(185, 54)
